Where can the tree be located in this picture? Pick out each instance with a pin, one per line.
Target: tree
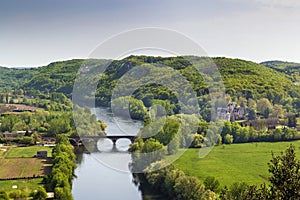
(277, 111)
(237, 191)
(40, 194)
(36, 137)
(228, 139)
(168, 131)
(59, 125)
(188, 187)
(264, 107)
(173, 146)
(198, 141)
(27, 140)
(227, 129)
(63, 193)
(285, 175)
(251, 114)
(4, 195)
(212, 183)
(292, 120)
(251, 104)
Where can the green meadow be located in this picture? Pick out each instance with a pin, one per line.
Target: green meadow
(22, 184)
(26, 152)
(234, 163)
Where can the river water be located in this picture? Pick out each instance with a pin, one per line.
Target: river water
(105, 174)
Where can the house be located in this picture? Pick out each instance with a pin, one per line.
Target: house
(223, 114)
(239, 113)
(231, 113)
(42, 154)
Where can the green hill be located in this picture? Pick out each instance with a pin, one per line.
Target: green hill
(282, 66)
(290, 68)
(15, 78)
(241, 78)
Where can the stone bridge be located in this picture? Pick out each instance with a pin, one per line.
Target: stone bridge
(114, 138)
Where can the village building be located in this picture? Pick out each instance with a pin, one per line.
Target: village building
(231, 113)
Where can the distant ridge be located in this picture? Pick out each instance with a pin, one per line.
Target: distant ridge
(240, 77)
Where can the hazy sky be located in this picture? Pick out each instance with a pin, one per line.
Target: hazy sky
(37, 32)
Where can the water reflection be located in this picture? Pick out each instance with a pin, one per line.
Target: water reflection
(104, 174)
(97, 181)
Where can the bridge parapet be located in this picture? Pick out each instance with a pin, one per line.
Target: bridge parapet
(113, 138)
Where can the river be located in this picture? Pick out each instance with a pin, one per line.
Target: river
(105, 174)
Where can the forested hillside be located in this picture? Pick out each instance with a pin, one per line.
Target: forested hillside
(289, 68)
(15, 78)
(242, 79)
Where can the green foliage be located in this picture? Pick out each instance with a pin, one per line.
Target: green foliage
(292, 121)
(175, 183)
(59, 125)
(86, 123)
(52, 123)
(237, 191)
(132, 106)
(289, 68)
(243, 80)
(63, 193)
(212, 183)
(15, 78)
(228, 139)
(285, 175)
(4, 195)
(145, 153)
(60, 180)
(18, 194)
(168, 131)
(40, 194)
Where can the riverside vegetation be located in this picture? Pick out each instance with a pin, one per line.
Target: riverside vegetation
(268, 93)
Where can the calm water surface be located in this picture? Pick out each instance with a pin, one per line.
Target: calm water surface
(104, 175)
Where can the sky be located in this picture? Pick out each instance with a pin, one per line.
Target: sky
(38, 32)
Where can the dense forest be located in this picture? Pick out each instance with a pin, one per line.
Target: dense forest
(242, 79)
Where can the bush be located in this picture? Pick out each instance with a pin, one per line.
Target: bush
(40, 194)
(4, 195)
(212, 183)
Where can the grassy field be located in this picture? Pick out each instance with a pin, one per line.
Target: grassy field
(31, 184)
(25, 152)
(234, 163)
(18, 162)
(23, 167)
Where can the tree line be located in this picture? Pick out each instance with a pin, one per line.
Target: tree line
(60, 180)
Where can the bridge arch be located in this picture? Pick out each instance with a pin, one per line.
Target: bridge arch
(115, 140)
